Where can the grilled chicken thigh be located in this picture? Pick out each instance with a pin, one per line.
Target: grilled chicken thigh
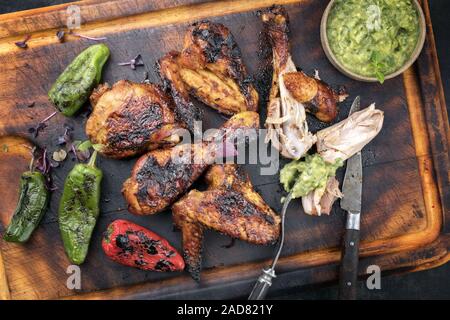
(292, 93)
(131, 118)
(161, 176)
(231, 206)
(210, 68)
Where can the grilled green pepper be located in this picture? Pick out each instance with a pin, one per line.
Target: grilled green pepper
(32, 204)
(79, 209)
(74, 86)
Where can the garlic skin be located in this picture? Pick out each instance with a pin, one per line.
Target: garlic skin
(349, 136)
(341, 140)
(286, 124)
(320, 201)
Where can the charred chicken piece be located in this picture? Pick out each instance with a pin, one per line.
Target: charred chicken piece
(161, 176)
(131, 118)
(292, 93)
(185, 110)
(318, 98)
(230, 206)
(286, 124)
(211, 68)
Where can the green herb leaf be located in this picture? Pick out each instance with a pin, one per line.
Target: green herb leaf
(97, 146)
(380, 76)
(378, 65)
(84, 146)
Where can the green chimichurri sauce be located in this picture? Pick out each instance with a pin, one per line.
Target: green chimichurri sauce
(373, 38)
(302, 177)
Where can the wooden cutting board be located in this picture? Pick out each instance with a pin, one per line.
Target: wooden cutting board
(406, 194)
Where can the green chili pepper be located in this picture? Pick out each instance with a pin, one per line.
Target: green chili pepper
(74, 86)
(79, 209)
(32, 204)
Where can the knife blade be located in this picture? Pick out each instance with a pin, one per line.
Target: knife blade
(351, 202)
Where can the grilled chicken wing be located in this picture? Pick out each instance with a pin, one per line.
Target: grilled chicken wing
(185, 110)
(161, 176)
(231, 206)
(210, 68)
(292, 93)
(131, 118)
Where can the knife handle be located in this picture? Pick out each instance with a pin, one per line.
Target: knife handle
(349, 265)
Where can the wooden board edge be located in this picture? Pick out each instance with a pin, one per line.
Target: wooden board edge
(100, 27)
(439, 262)
(436, 114)
(4, 288)
(437, 71)
(405, 262)
(20, 23)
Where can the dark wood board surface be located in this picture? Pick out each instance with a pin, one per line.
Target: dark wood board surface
(401, 203)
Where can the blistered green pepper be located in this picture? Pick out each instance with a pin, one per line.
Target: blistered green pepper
(74, 86)
(32, 204)
(79, 209)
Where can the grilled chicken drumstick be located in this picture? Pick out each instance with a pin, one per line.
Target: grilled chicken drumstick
(131, 118)
(210, 68)
(231, 206)
(161, 176)
(318, 98)
(292, 93)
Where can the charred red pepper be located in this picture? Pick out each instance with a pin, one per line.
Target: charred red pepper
(132, 245)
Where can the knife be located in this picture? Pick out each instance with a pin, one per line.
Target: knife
(351, 202)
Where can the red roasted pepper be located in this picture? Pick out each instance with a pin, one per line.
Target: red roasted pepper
(132, 245)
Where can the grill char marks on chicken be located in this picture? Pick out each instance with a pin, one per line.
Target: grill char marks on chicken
(185, 110)
(131, 118)
(161, 176)
(230, 206)
(210, 68)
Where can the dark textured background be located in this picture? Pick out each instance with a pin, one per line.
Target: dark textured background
(431, 284)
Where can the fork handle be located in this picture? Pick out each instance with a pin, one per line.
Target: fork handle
(262, 285)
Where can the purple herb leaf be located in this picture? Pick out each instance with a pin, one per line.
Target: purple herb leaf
(133, 63)
(66, 138)
(41, 162)
(80, 155)
(60, 35)
(23, 44)
(40, 126)
(83, 155)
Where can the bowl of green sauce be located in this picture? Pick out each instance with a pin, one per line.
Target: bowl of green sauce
(373, 40)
